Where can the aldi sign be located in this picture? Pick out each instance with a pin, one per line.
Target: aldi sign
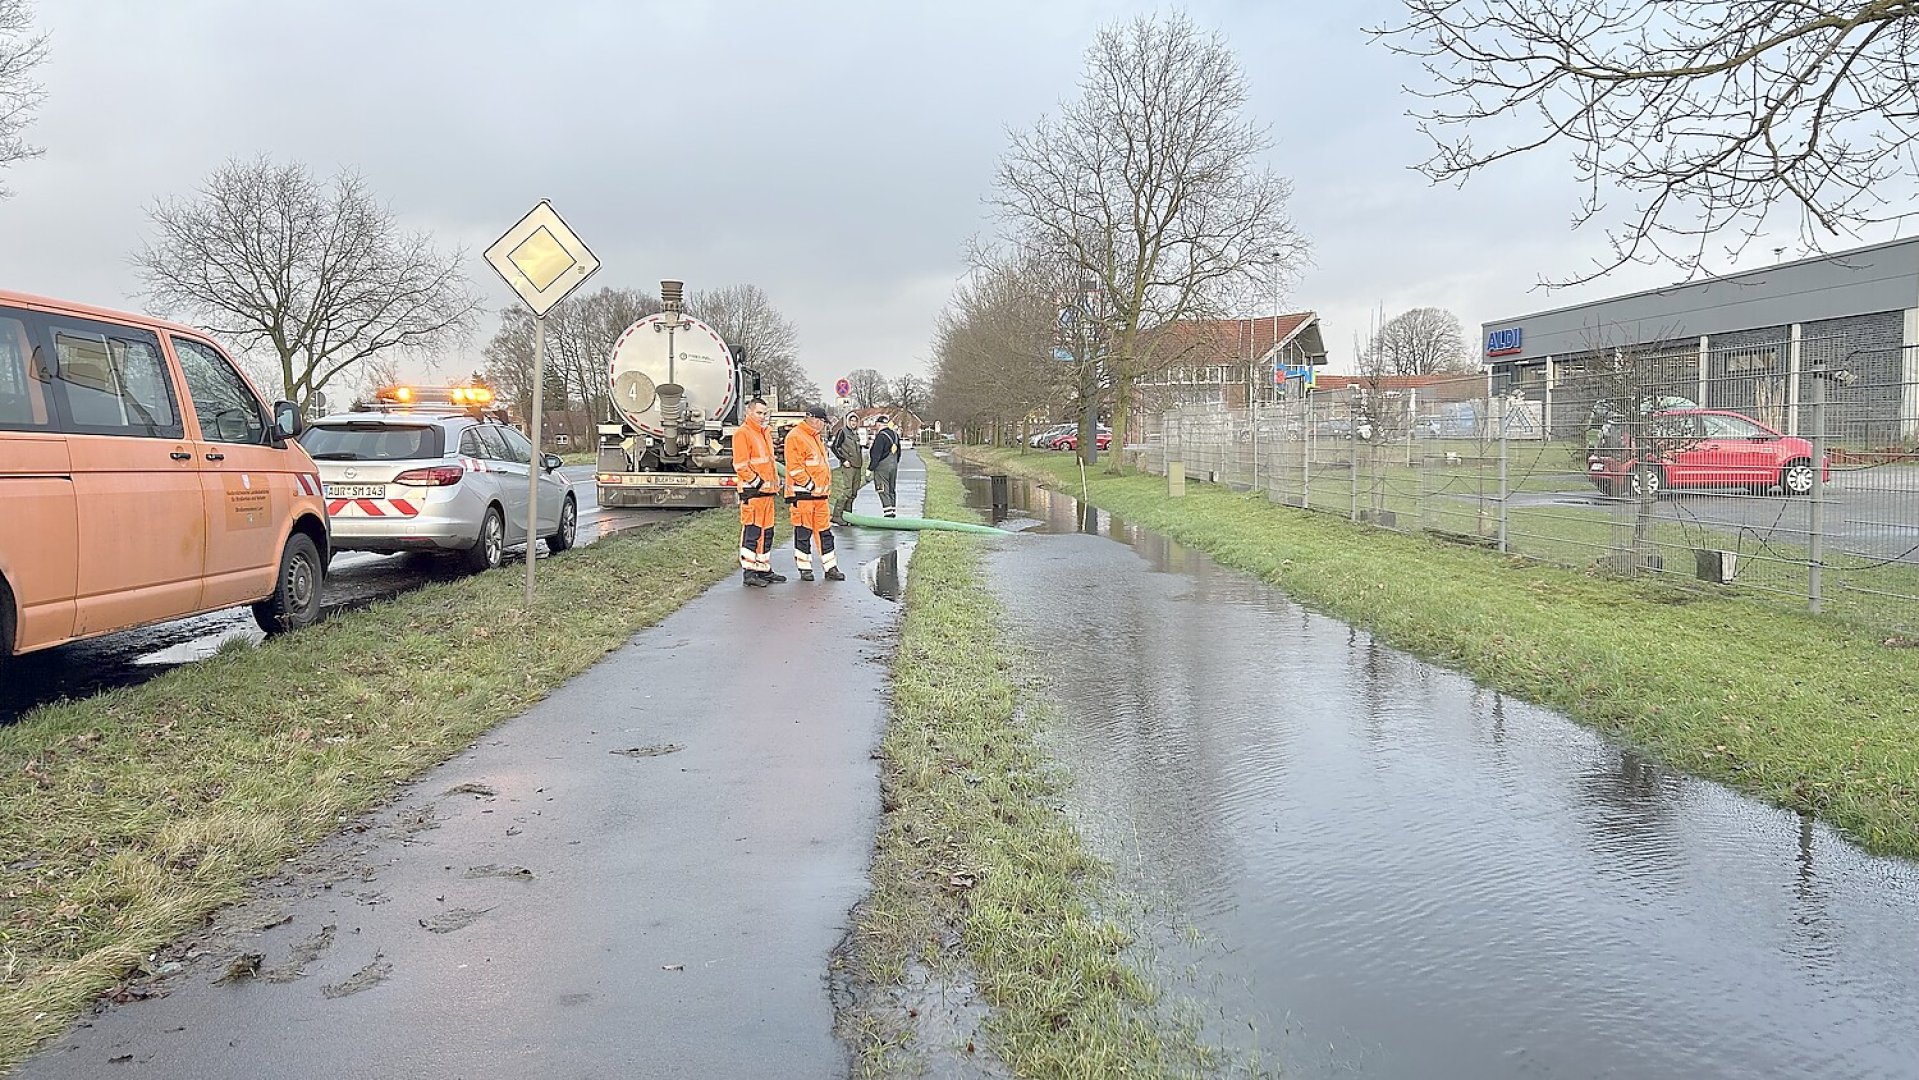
(1503, 342)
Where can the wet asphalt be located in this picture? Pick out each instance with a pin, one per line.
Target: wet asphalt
(644, 876)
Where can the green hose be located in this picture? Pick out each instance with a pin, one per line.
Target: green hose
(913, 524)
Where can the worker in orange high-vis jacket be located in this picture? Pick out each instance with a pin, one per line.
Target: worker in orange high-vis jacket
(759, 485)
(809, 488)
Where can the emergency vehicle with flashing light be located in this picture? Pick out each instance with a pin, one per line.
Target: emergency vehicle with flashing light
(437, 469)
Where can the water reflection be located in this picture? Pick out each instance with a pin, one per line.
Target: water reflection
(1405, 873)
(882, 575)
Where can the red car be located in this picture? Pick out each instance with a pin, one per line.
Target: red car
(1070, 441)
(1707, 448)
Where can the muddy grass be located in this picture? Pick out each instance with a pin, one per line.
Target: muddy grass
(1811, 714)
(132, 815)
(983, 893)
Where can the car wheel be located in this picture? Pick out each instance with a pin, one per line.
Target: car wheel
(487, 552)
(1647, 481)
(1797, 478)
(295, 601)
(569, 528)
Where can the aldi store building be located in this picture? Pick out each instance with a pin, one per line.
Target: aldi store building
(1749, 342)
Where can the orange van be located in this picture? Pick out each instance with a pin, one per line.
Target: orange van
(142, 479)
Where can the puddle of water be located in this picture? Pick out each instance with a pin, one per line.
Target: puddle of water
(882, 575)
(1387, 870)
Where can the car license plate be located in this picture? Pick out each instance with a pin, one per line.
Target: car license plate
(356, 491)
(671, 479)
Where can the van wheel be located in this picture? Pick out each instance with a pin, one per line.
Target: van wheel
(569, 528)
(7, 643)
(491, 548)
(295, 602)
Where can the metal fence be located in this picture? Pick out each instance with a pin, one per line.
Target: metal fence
(1713, 487)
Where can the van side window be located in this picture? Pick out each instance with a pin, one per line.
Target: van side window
(518, 447)
(113, 380)
(23, 401)
(491, 442)
(229, 413)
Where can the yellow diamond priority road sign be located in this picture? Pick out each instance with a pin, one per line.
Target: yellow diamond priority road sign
(541, 258)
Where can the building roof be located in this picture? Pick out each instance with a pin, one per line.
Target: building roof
(1224, 341)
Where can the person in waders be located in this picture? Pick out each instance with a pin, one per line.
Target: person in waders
(884, 460)
(847, 479)
(759, 485)
(809, 491)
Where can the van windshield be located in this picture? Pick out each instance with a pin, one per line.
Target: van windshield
(373, 442)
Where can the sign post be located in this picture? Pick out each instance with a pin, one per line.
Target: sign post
(541, 260)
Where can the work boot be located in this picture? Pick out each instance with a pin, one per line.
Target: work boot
(753, 579)
(833, 574)
(806, 575)
(772, 577)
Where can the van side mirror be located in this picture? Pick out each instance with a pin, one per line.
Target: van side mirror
(286, 420)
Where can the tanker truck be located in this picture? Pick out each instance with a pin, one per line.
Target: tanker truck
(679, 392)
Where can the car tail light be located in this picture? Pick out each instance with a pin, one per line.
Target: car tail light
(437, 476)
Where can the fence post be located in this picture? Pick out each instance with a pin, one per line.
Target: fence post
(1505, 429)
(1306, 457)
(1255, 441)
(1816, 513)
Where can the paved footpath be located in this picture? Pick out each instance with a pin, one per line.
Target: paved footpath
(578, 913)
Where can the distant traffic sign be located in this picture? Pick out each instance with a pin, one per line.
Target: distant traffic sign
(843, 388)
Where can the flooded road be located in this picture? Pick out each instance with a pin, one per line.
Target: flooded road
(1372, 867)
(354, 580)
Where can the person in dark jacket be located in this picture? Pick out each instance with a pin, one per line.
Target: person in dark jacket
(883, 457)
(844, 442)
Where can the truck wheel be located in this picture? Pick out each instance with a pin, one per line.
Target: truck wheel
(487, 552)
(569, 528)
(295, 601)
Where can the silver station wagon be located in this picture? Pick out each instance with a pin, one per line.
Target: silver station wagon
(432, 469)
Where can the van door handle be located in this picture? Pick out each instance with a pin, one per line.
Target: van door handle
(181, 455)
(216, 457)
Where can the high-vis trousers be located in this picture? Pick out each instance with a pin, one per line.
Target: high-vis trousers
(812, 518)
(756, 532)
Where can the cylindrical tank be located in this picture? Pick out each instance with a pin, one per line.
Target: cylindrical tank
(700, 365)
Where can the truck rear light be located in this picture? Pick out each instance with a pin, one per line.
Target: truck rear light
(437, 476)
(729, 481)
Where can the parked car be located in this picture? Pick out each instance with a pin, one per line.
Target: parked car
(1701, 448)
(419, 471)
(143, 479)
(1102, 439)
(1044, 440)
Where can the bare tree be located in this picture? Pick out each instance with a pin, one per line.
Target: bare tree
(1632, 388)
(21, 51)
(1421, 341)
(1148, 185)
(910, 392)
(268, 257)
(744, 315)
(869, 388)
(994, 369)
(1708, 113)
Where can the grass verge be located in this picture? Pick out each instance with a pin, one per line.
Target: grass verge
(973, 844)
(1812, 714)
(130, 816)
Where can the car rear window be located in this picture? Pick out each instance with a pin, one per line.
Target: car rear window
(373, 442)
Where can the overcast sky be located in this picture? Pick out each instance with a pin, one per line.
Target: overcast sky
(835, 155)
